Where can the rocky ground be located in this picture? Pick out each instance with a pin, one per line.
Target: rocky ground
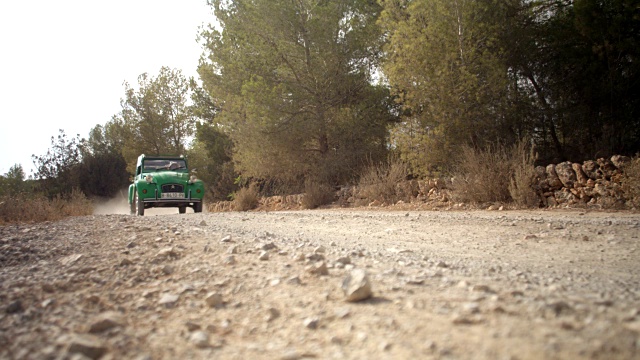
(444, 285)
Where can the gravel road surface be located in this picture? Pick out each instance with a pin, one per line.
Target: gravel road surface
(257, 285)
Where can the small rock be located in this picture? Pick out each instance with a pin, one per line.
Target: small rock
(320, 250)
(126, 262)
(14, 307)
(106, 321)
(233, 250)
(559, 307)
(167, 269)
(342, 313)
(319, 268)
(226, 239)
(267, 247)
(214, 300)
(264, 256)
(200, 339)
(230, 260)
(344, 260)
(295, 280)
(68, 260)
(314, 257)
(442, 264)
(48, 288)
(191, 326)
(482, 288)
(466, 320)
(311, 323)
(87, 345)
(167, 253)
(202, 223)
(272, 314)
(356, 286)
(168, 300)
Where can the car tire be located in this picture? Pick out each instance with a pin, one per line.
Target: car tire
(197, 207)
(139, 205)
(182, 209)
(132, 206)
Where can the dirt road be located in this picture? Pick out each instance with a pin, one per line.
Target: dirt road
(446, 285)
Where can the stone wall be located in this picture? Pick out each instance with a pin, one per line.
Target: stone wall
(592, 183)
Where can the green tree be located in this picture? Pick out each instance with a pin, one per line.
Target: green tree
(580, 60)
(103, 169)
(210, 154)
(14, 181)
(291, 78)
(155, 118)
(56, 171)
(445, 63)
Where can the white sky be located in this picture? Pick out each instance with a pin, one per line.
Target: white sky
(63, 63)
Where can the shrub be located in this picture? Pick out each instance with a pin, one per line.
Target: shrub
(521, 184)
(379, 181)
(26, 209)
(316, 194)
(631, 182)
(246, 198)
(482, 175)
(496, 174)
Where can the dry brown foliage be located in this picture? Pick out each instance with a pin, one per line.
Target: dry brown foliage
(631, 182)
(29, 209)
(316, 194)
(522, 181)
(379, 181)
(496, 174)
(246, 198)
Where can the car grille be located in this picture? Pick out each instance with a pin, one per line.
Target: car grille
(173, 188)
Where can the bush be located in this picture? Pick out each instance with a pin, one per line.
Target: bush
(26, 209)
(246, 198)
(496, 174)
(379, 181)
(521, 184)
(316, 194)
(631, 182)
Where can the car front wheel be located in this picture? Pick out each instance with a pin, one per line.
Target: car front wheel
(132, 206)
(197, 207)
(139, 205)
(182, 209)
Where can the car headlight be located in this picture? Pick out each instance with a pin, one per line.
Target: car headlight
(193, 178)
(149, 178)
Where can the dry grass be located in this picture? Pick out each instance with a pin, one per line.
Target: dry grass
(631, 182)
(522, 181)
(379, 182)
(24, 209)
(246, 198)
(497, 174)
(316, 194)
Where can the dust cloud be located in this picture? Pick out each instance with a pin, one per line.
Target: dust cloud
(120, 205)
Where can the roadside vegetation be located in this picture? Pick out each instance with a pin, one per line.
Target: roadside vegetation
(306, 97)
(23, 208)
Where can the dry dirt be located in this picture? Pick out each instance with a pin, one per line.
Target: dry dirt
(446, 285)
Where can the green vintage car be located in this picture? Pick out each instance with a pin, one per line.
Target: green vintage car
(164, 181)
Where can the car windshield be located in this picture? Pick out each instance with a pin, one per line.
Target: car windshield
(164, 164)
